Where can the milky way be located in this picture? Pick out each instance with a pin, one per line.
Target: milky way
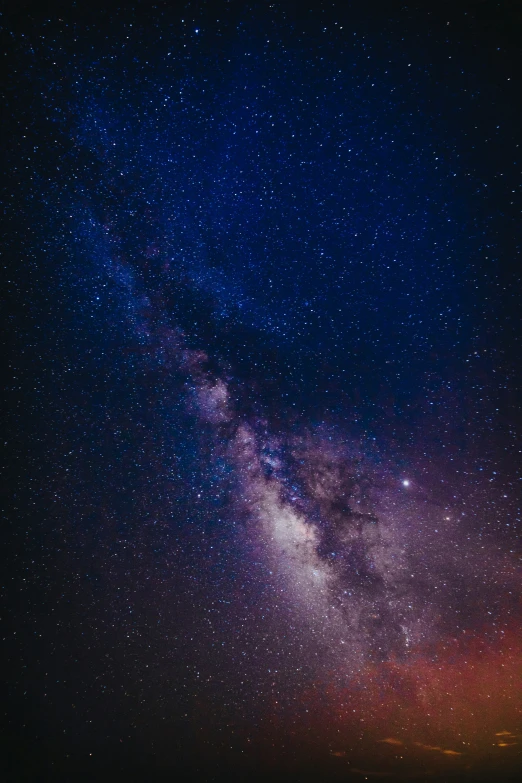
(264, 432)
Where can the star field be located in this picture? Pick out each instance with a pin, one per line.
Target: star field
(263, 431)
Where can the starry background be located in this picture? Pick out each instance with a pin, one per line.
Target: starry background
(262, 500)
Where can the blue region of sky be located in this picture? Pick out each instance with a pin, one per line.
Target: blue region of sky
(329, 190)
(321, 198)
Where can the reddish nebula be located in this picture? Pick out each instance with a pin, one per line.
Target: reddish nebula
(453, 710)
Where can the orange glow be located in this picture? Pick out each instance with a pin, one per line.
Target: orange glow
(456, 705)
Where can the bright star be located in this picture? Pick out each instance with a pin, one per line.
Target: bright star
(406, 483)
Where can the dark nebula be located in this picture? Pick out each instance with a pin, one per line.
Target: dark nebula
(262, 479)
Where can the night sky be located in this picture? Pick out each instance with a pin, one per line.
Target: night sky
(263, 456)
